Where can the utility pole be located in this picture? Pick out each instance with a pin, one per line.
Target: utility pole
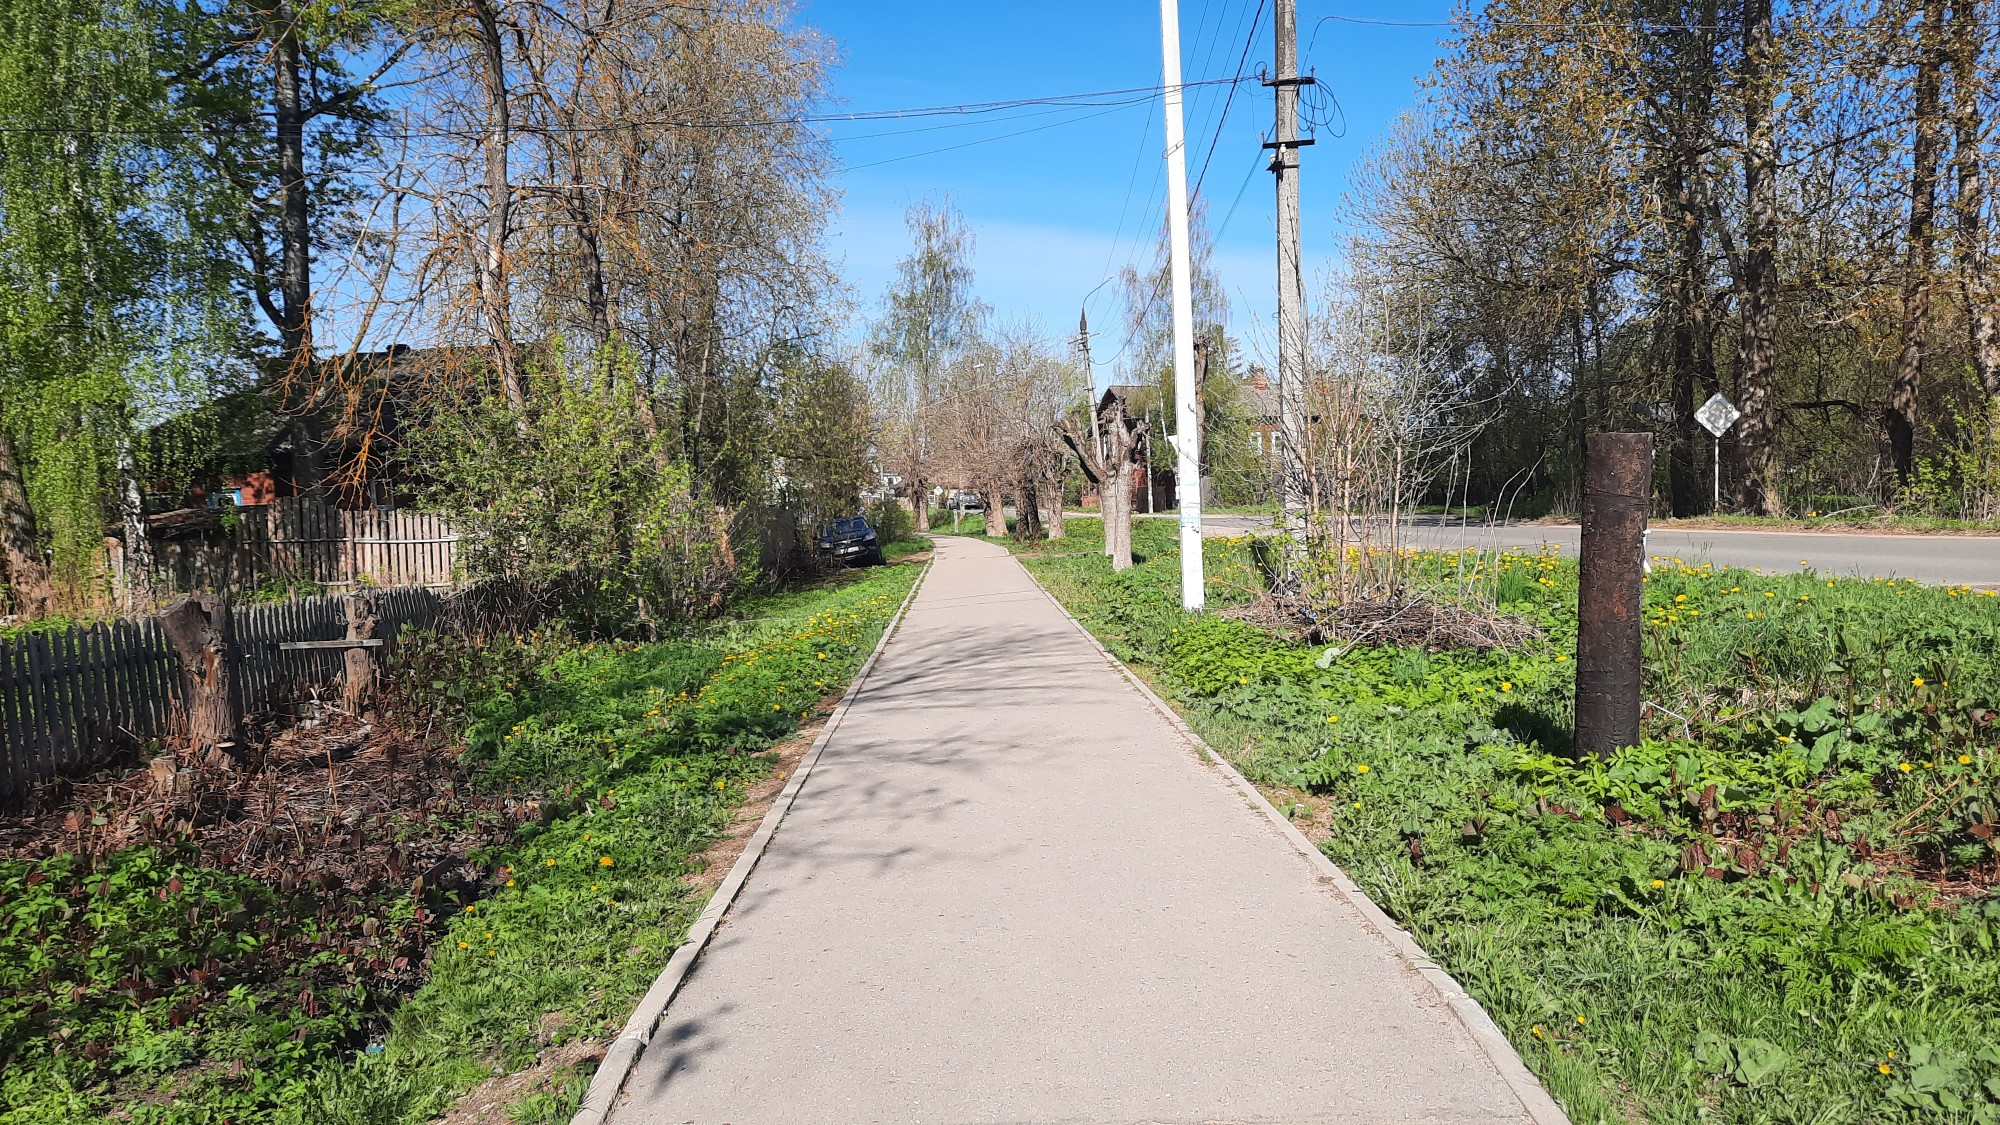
(1284, 146)
(1187, 410)
(1089, 379)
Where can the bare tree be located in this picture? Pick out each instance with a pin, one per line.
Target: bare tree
(929, 319)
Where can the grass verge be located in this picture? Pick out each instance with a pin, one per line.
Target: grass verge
(1778, 908)
(150, 988)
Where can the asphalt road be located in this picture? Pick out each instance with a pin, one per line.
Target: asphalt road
(1010, 892)
(1949, 559)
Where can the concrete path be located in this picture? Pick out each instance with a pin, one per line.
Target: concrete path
(1951, 559)
(1010, 892)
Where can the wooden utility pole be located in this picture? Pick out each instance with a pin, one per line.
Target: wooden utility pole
(1187, 406)
(1617, 488)
(1090, 401)
(1284, 145)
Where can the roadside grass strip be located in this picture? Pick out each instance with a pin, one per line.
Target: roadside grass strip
(622, 762)
(1777, 908)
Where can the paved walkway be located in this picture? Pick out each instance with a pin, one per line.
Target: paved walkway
(1009, 892)
(1971, 559)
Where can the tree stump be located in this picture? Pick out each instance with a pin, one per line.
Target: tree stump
(363, 617)
(203, 634)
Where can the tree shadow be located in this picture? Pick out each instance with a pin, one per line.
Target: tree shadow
(1553, 731)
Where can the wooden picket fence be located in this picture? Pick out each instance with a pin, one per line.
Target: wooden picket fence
(69, 698)
(302, 540)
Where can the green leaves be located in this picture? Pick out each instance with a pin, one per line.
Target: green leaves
(1746, 1061)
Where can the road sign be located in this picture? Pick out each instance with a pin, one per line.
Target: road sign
(1717, 415)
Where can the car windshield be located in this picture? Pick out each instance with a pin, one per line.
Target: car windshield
(850, 525)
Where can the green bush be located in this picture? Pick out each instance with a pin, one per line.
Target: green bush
(892, 522)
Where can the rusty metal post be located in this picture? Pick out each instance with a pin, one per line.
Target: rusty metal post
(1617, 486)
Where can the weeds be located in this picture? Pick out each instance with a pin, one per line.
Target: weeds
(150, 988)
(1776, 909)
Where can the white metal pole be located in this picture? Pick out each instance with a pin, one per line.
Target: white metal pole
(1715, 506)
(1187, 413)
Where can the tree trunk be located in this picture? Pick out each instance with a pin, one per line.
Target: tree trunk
(1122, 474)
(494, 299)
(996, 512)
(1756, 454)
(1899, 413)
(29, 586)
(136, 591)
(1971, 242)
(920, 499)
(1052, 487)
(203, 634)
(363, 618)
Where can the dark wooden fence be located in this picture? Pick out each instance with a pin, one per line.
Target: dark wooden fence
(71, 697)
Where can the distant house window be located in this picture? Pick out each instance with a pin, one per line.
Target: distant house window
(1257, 441)
(226, 497)
(1274, 443)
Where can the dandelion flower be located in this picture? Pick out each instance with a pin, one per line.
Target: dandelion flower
(1658, 883)
(1362, 768)
(465, 945)
(1580, 1019)
(1333, 718)
(1965, 759)
(1883, 1067)
(1904, 766)
(1916, 681)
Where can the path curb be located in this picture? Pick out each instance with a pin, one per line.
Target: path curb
(1535, 1101)
(625, 1051)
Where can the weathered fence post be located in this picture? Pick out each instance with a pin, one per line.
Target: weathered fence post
(363, 616)
(203, 634)
(1617, 487)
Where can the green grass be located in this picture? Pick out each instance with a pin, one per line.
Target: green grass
(139, 991)
(1775, 912)
(1860, 518)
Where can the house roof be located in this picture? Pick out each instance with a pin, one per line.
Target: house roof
(1260, 403)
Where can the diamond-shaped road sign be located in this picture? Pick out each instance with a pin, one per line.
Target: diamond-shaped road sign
(1717, 415)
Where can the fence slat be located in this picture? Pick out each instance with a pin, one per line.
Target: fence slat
(67, 697)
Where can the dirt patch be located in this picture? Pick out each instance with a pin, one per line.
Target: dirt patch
(339, 814)
(557, 1073)
(715, 861)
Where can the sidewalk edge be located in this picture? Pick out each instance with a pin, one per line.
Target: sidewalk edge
(1535, 1101)
(625, 1051)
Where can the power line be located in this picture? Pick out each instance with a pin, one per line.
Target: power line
(990, 140)
(1256, 22)
(1114, 99)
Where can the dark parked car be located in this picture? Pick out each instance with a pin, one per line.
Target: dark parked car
(850, 540)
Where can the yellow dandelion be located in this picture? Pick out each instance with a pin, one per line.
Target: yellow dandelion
(1362, 768)
(1965, 759)
(1904, 766)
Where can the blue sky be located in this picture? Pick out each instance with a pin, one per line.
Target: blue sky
(1058, 209)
